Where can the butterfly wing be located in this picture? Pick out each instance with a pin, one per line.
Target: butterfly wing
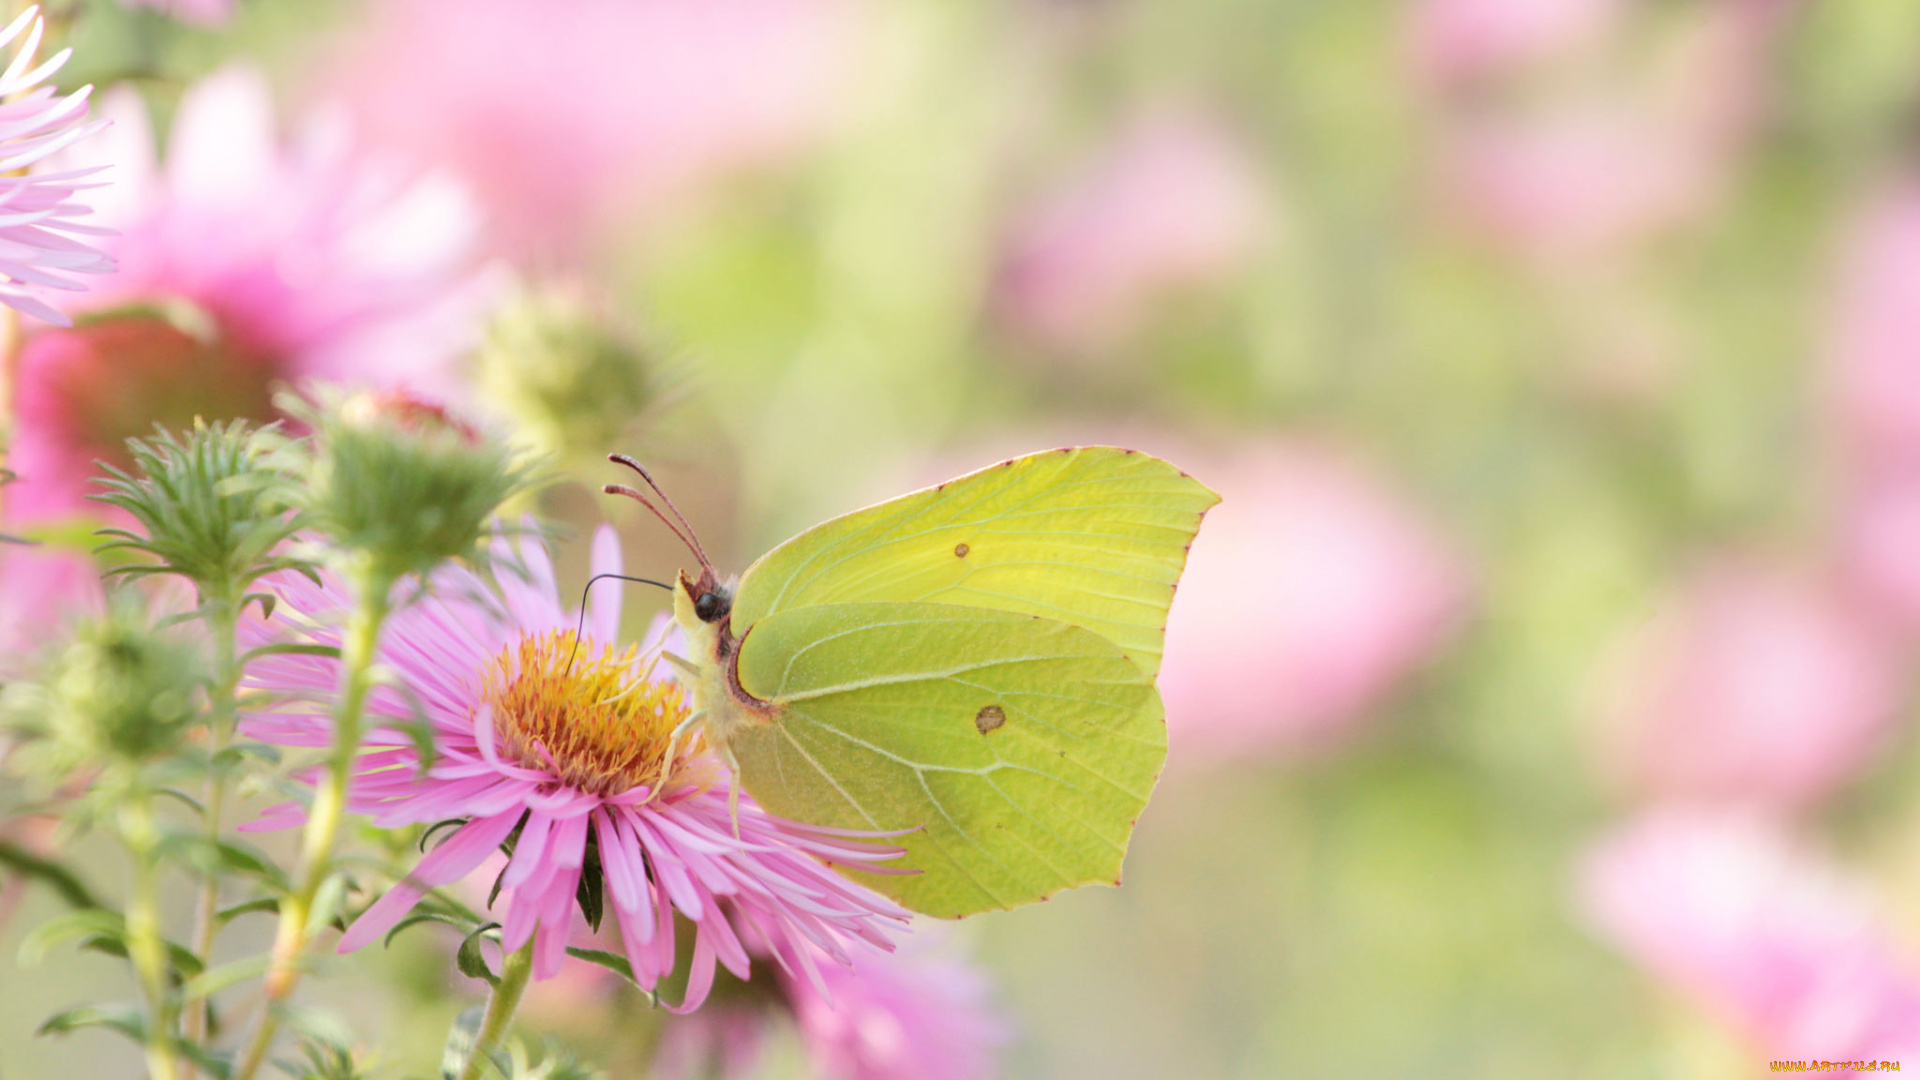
(1092, 536)
(1021, 748)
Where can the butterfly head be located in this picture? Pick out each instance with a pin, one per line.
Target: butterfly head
(710, 599)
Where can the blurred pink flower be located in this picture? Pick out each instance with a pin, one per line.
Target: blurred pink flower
(203, 12)
(1312, 589)
(724, 1038)
(40, 589)
(909, 1015)
(571, 114)
(1571, 186)
(1458, 41)
(1640, 151)
(1176, 203)
(1752, 685)
(1775, 941)
(918, 1013)
(1874, 356)
(38, 210)
(248, 262)
(1879, 546)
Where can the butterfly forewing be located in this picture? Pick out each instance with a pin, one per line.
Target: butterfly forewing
(1022, 749)
(1092, 536)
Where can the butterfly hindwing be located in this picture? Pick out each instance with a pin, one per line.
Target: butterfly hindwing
(1022, 749)
(1091, 536)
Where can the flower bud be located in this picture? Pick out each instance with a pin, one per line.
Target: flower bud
(571, 378)
(121, 690)
(399, 481)
(210, 509)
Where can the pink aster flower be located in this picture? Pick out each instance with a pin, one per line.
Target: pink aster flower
(1314, 589)
(556, 747)
(1775, 940)
(1177, 203)
(1753, 685)
(245, 261)
(38, 208)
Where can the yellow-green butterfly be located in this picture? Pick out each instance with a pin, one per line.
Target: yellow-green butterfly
(974, 661)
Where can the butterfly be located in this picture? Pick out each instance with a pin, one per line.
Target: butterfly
(971, 665)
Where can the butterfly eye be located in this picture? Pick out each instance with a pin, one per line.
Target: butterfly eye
(709, 606)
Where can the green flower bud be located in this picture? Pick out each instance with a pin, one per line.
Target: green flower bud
(570, 377)
(400, 482)
(211, 509)
(121, 690)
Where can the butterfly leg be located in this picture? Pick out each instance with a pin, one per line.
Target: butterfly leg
(673, 744)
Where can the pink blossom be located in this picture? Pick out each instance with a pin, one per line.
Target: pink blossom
(1628, 155)
(38, 207)
(1879, 546)
(547, 743)
(1571, 186)
(40, 589)
(921, 1013)
(1775, 940)
(1752, 684)
(903, 1016)
(571, 114)
(1176, 203)
(252, 262)
(1874, 357)
(725, 1038)
(1457, 41)
(1311, 591)
(203, 12)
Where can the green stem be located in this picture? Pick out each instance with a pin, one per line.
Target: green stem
(324, 819)
(514, 972)
(222, 624)
(146, 947)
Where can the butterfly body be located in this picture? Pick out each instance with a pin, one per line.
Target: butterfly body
(973, 662)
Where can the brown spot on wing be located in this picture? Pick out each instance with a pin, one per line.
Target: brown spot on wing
(989, 718)
(960, 550)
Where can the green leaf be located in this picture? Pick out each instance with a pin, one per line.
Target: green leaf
(52, 874)
(185, 963)
(217, 1065)
(227, 855)
(265, 903)
(327, 904)
(613, 962)
(290, 649)
(183, 797)
(217, 979)
(128, 1020)
(461, 1038)
(471, 961)
(74, 925)
(419, 917)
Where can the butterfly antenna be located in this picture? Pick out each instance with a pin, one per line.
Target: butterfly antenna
(685, 532)
(581, 626)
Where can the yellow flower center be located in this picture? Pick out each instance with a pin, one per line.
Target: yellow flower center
(590, 716)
